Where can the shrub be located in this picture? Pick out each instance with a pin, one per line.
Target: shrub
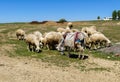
(61, 21)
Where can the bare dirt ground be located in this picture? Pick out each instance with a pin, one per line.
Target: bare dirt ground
(22, 69)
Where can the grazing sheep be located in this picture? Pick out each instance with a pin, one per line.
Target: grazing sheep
(38, 34)
(98, 40)
(67, 29)
(60, 30)
(20, 34)
(39, 37)
(75, 30)
(33, 43)
(89, 30)
(69, 25)
(51, 39)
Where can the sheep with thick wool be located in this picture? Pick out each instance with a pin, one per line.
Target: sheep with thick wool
(67, 29)
(32, 42)
(98, 40)
(39, 37)
(20, 34)
(75, 30)
(60, 30)
(89, 30)
(51, 39)
(69, 25)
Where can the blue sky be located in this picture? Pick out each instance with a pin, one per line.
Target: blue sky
(71, 10)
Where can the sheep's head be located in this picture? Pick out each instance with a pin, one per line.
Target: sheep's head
(70, 25)
(41, 45)
(108, 44)
(38, 50)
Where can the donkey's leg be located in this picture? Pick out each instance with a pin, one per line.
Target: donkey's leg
(81, 50)
(62, 53)
(69, 51)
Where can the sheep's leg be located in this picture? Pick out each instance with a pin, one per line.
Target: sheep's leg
(99, 45)
(45, 46)
(94, 46)
(18, 37)
(90, 45)
(33, 48)
(48, 46)
(22, 37)
(30, 47)
(102, 44)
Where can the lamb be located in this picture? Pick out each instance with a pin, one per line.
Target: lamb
(33, 43)
(20, 34)
(51, 39)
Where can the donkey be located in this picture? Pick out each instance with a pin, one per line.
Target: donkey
(74, 41)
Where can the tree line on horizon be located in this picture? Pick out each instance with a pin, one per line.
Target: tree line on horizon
(115, 15)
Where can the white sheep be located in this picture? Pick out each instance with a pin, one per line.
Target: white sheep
(51, 39)
(67, 29)
(38, 34)
(60, 30)
(69, 25)
(75, 30)
(39, 37)
(98, 40)
(33, 43)
(89, 30)
(20, 34)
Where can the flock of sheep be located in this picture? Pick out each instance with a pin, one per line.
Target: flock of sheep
(36, 40)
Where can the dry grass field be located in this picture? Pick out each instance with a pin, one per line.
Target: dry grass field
(17, 64)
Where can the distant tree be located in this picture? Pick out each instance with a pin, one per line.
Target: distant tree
(118, 13)
(98, 17)
(114, 15)
(34, 22)
(62, 21)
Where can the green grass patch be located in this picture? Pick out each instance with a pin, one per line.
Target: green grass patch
(100, 54)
